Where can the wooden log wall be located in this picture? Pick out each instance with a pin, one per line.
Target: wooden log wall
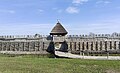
(94, 45)
(23, 46)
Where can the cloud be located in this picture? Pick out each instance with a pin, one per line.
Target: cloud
(79, 1)
(72, 10)
(107, 2)
(103, 2)
(7, 11)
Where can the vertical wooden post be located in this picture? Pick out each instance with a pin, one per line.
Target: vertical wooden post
(91, 45)
(101, 45)
(115, 45)
(38, 45)
(10, 46)
(70, 46)
(79, 48)
(18, 46)
(0, 46)
(75, 46)
(83, 46)
(87, 48)
(105, 45)
(96, 46)
(110, 45)
(23, 46)
(119, 45)
(28, 46)
(43, 46)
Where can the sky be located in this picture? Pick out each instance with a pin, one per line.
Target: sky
(28, 17)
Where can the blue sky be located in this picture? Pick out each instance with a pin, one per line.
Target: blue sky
(24, 17)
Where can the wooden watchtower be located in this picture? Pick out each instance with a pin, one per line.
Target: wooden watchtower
(58, 34)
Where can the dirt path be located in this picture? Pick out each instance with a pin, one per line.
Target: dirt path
(69, 55)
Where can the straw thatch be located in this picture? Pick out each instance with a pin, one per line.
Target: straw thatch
(58, 30)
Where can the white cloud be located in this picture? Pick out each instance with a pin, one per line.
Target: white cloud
(7, 11)
(103, 2)
(72, 10)
(107, 2)
(79, 1)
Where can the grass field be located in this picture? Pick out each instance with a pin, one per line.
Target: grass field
(31, 64)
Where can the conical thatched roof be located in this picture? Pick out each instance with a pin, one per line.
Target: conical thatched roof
(58, 30)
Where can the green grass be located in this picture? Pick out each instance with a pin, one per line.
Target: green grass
(32, 64)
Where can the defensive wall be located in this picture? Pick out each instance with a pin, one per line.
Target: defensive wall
(92, 43)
